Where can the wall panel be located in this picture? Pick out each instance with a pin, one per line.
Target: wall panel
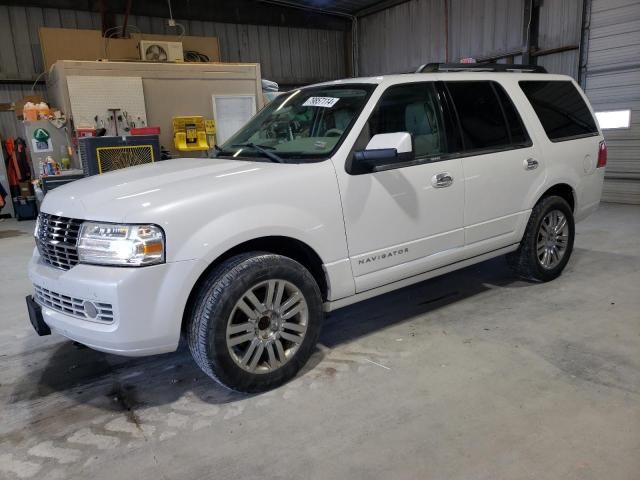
(484, 29)
(560, 26)
(412, 33)
(613, 83)
(403, 37)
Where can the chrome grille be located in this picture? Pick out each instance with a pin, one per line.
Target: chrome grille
(72, 306)
(56, 240)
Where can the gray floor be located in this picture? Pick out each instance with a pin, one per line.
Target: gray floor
(474, 375)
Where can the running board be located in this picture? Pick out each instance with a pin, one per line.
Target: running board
(374, 292)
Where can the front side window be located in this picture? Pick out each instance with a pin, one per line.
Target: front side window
(303, 124)
(411, 108)
(561, 109)
(482, 122)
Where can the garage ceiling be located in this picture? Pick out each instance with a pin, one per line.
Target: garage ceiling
(350, 7)
(238, 11)
(319, 14)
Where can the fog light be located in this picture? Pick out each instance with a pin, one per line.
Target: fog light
(90, 309)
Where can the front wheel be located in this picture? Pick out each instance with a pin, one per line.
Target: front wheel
(547, 243)
(255, 321)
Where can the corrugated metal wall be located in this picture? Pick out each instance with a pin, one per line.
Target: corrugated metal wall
(412, 33)
(484, 29)
(403, 37)
(287, 55)
(613, 83)
(559, 26)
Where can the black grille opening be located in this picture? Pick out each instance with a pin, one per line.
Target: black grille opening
(56, 240)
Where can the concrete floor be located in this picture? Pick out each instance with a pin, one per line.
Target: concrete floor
(474, 375)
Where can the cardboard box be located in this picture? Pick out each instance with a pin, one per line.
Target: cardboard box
(76, 44)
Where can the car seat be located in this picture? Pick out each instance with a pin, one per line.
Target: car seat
(420, 123)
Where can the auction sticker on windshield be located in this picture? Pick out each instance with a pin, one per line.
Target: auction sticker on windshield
(325, 102)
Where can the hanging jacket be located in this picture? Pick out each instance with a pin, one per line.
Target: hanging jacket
(13, 169)
(22, 158)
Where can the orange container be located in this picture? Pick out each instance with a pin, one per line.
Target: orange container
(30, 112)
(43, 110)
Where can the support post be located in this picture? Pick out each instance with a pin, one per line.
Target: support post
(446, 31)
(107, 19)
(123, 34)
(583, 55)
(531, 30)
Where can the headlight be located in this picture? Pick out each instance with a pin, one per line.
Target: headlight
(115, 244)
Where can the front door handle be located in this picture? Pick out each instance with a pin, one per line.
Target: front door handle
(442, 180)
(530, 164)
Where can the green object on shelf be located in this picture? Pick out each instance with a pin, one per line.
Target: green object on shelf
(41, 135)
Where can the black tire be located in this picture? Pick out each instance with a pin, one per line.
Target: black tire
(525, 261)
(214, 304)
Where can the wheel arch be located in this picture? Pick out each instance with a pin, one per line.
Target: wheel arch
(280, 245)
(562, 190)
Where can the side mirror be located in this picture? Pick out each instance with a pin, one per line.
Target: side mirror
(385, 151)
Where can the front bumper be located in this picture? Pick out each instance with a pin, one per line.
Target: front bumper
(147, 302)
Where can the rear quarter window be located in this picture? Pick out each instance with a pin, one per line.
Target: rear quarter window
(562, 111)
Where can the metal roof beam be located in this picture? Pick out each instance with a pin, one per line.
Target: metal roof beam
(378, 6)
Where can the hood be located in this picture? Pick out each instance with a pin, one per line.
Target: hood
(138, 194)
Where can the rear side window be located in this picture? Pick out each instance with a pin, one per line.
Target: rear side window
(488, 119)
(562, 111)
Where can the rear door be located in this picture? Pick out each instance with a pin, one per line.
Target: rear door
(502, 167)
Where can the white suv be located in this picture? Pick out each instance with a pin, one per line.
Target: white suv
(332, 194)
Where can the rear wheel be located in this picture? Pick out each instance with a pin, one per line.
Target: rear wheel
(255, 322)
(548, 241)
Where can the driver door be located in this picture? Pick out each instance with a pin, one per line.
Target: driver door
(405, 220)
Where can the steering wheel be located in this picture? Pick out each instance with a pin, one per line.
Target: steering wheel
(333, 132)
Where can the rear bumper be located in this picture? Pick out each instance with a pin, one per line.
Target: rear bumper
(148, 304)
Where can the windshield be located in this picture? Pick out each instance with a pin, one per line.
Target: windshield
(301, 124)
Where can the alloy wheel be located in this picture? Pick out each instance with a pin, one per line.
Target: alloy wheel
(553, 239)
(267, 326)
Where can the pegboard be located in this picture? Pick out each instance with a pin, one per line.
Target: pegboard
(95, 95)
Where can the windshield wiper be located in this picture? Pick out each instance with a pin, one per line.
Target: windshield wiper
(262, 149)
(250, 144)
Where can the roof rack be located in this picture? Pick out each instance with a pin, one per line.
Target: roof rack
(482, 67)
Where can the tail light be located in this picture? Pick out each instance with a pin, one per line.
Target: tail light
(602, 154)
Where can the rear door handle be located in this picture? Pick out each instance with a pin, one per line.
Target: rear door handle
(442, 180)
(530, 164)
